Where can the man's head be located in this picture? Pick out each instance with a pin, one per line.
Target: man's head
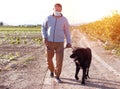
(57, 9)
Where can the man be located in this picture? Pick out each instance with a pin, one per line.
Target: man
(54, 29)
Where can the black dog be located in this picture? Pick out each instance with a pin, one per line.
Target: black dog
(82, 58)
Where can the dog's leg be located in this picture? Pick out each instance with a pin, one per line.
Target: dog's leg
(87, 73)
(77, 71)
(83, 76)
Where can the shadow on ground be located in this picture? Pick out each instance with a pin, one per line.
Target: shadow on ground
(93, 83)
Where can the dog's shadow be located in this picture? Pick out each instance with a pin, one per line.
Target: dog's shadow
(70, 81)
(103, 84)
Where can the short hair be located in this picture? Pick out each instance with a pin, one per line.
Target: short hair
(58, 4)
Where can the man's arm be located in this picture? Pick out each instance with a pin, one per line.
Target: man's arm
(67, 34)
(44, 32)
(44, 29)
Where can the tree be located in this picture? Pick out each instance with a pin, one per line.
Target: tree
(1, 23)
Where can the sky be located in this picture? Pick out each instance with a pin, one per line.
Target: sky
(19, 12)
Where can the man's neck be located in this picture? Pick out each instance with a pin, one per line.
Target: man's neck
(57, 16)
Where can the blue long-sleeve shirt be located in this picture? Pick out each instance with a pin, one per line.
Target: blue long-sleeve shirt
(56, 29)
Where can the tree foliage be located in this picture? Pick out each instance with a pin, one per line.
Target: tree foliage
(1, 23)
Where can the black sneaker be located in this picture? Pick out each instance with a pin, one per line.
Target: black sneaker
(52, 74)
(58, 80)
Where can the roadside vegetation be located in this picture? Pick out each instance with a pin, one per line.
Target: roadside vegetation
(107, 30)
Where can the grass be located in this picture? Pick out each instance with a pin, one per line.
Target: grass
(29, 59)
(118, 51)
(37, 40)
(10, 56)
(20, 35)
(17, 28)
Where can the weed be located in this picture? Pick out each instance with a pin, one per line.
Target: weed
(38, 40)
(29, 59)
(25, 41)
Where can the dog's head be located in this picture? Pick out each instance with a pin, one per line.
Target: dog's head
(76, 53)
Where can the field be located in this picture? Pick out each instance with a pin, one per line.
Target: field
(19, 36)
(23, 64)
(19, 41)
(106, 30)
(16, 42)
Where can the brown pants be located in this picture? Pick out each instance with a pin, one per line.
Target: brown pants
(52, 48)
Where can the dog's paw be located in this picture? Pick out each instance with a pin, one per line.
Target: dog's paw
(88, 76)
(83, 82)
(76, 77)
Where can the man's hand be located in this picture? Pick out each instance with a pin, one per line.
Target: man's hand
(45, 41)
(68, 45)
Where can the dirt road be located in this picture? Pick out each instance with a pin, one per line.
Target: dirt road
(104, 70)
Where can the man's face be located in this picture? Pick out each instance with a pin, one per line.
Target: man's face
(57, 8)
